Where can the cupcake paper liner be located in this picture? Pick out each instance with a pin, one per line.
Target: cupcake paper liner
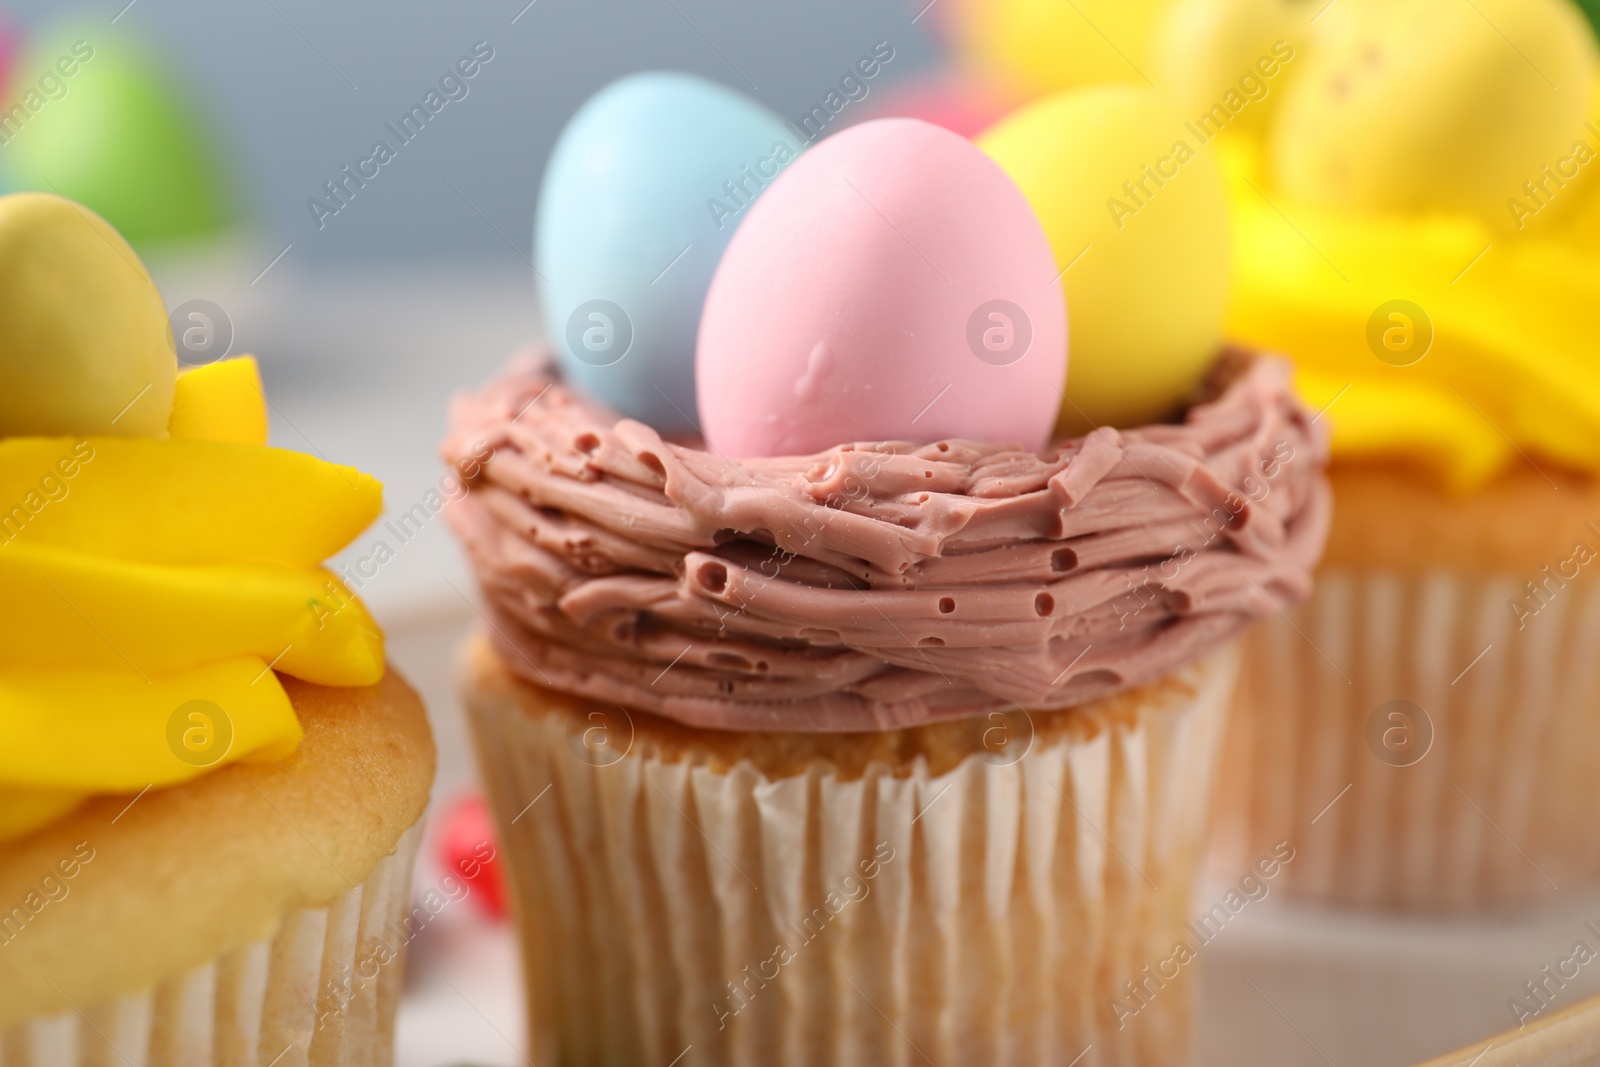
(1420, 743)
(321, 993)
(673, 910)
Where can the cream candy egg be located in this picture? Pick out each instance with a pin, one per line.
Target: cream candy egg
(892, 284)
(84, 343)
(1134, 205)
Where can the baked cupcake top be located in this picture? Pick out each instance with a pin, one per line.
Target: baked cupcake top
(879, 585)
(169, 561)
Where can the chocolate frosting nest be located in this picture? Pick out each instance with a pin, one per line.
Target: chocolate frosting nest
(880, 585)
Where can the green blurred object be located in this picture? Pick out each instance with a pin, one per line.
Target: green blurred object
(94, 118)
(1591, 9)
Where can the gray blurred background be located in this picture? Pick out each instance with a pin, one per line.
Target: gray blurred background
(297, 88)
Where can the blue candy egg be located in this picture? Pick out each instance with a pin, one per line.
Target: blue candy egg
(644, 188)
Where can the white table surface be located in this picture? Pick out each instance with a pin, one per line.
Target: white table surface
(360, 367)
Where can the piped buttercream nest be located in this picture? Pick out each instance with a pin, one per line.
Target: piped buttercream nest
(880, 585)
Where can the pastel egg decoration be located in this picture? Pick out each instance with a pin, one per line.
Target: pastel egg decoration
(84, 343)
(1224, 62)
(892, 285)
(107, 126)
(1579, 219)
(1035, 47)
(644, 188)
(1135, 209)
(1430, 104)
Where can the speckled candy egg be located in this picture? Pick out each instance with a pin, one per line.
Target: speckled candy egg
(893, 284)
(1413, 105)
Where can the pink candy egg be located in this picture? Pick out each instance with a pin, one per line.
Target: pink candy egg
(892, 285)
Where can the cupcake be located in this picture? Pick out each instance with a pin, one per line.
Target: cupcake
(848, 732)
(1424, 724)
(209, 782)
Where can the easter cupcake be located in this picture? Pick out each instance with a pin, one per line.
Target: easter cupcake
(878, 723)
(1426, 723)
(209, 782)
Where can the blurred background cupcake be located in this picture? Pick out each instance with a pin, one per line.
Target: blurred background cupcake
(1417, 230)
(1416, 225)
(210, 783)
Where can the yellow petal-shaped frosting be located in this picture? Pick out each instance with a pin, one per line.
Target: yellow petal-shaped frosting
(220, 401)
(196, 502)
(25, 810)
(1440, 434)
(113, 731)
(75, 609)
(1504, 359)
(159, 565)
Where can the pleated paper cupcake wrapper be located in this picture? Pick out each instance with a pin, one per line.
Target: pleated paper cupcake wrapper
(321, 993)
(672, 913)
(1420, 742)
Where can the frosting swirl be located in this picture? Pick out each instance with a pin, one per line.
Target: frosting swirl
(877, 586)
(167, 584)
(1498, 362)
(159, 563)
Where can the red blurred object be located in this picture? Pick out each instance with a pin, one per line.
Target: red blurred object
(468, 848)
(947, 99)
(10, 46)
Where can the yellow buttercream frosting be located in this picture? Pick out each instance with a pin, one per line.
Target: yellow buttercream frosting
(22, 810)
(110, 726)
(1491, 356)
(158, 571)
(159, 575)
(1416, 230)
(220, 402)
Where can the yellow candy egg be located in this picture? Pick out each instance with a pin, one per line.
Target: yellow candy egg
(84, 343)
(1580, 228)
(1225, 62)
(1034, 47)
(1576, 215)
(1133, 203)
(1411, 105)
